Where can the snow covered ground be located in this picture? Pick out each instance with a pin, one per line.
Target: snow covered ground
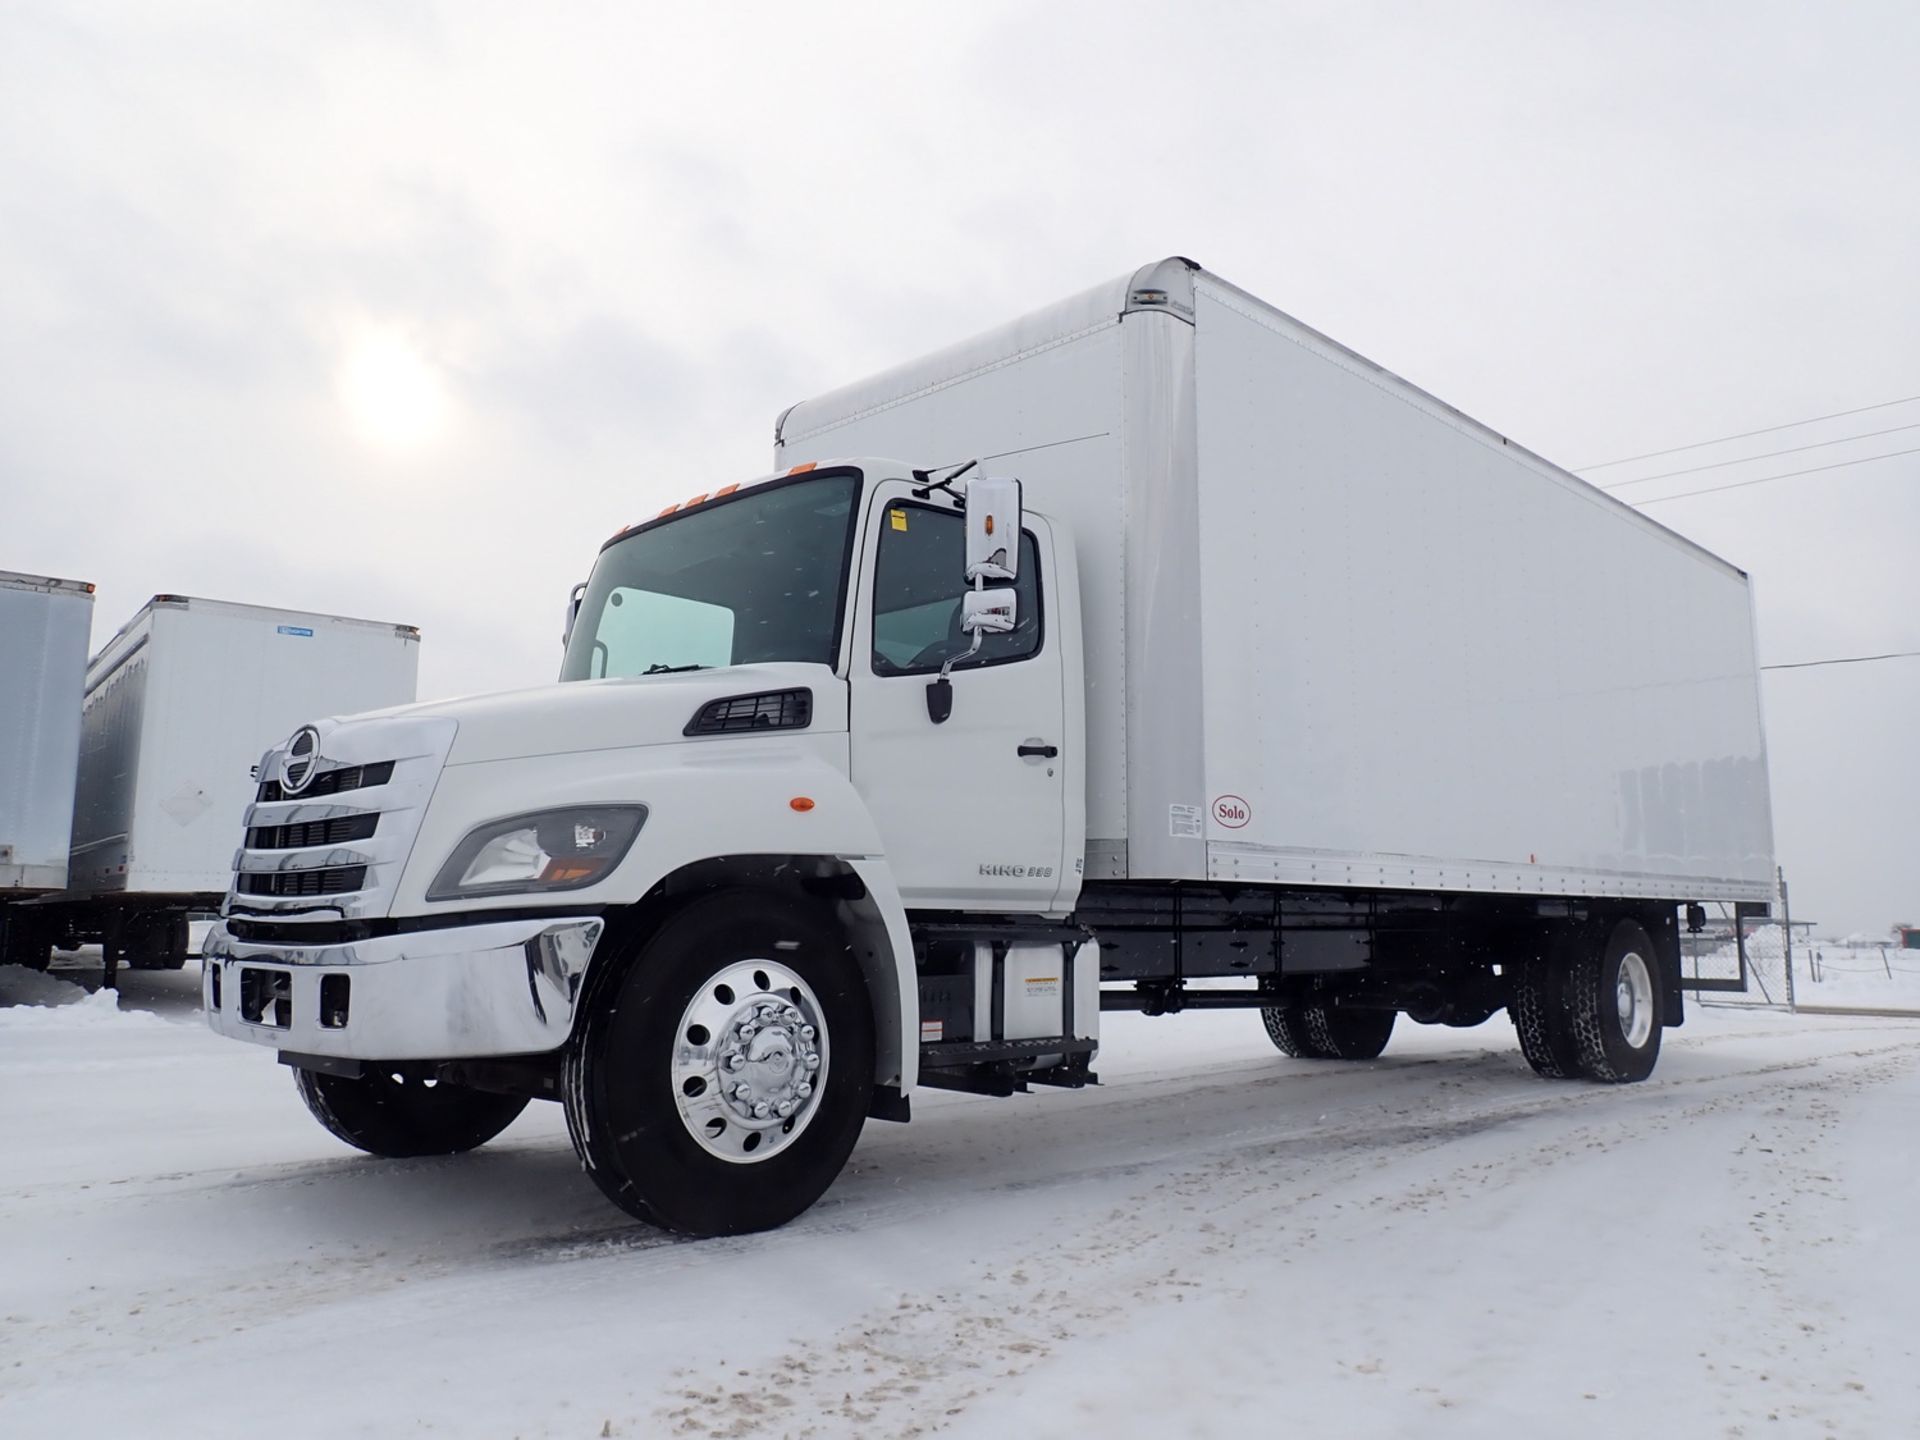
(1216, 1242)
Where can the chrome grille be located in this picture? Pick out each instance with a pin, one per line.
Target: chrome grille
(335, 851)
(337, 831)
(332, 782)
(285, 884)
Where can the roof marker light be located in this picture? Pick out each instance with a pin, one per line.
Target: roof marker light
(802, 469)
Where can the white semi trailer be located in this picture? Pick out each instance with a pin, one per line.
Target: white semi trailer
(44, 625)
(1252, 664)
(169, 720)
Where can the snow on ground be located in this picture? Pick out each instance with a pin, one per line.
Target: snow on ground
(1217, 1241)
(1856, 976)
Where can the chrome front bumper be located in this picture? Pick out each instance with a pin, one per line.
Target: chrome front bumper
(504, 987)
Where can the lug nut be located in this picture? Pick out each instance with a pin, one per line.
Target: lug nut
(742, 1091)
(806, 1032)
(803, 1089)
(790, 1015)
(760, 1109)
(813, 1062)
(736, 1060)
(784, 1108)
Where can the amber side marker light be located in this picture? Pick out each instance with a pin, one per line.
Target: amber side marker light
(801, 803)
(803, 469)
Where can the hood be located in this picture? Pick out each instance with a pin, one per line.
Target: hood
(579, 715)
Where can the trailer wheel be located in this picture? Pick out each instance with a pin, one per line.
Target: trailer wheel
(719, 1080)
(1539, 1009)
(398, 1116)
(25, 939)
(1616, 1008)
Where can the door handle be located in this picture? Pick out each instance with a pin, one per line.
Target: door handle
(1034, 749)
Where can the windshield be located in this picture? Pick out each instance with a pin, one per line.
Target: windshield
(759, 576)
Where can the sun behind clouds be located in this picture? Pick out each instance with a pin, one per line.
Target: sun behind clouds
(394, 396)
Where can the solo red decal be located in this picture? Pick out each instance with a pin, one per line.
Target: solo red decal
(1231, 811)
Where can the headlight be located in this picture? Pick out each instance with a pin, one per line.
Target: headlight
(545, 850)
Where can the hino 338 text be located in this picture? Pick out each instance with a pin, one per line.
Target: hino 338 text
(1268, 670)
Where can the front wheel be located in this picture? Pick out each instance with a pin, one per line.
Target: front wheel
(721, 1077)
(397, 1116)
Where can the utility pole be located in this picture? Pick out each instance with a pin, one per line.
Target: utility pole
(1786, 929)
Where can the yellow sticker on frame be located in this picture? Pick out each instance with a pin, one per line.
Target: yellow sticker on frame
(899, 518)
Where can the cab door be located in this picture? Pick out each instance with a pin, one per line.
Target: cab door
(972, 810)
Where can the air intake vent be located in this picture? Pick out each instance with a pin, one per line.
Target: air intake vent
(740, 714)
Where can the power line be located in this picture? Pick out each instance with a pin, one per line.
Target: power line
(1747, 434)
(1769, 455)
(1769, 479)
(1847, 660)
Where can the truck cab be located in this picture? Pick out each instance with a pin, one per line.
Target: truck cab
(791, 714)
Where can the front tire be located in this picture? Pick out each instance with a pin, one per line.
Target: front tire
(394, 1115)
(719, 1080)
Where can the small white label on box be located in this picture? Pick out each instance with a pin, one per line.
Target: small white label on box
(932, 1030)
(1184, 822)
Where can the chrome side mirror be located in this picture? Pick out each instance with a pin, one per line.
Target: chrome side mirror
(988, 612)
(993, 529)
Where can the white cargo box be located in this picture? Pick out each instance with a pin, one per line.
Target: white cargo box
(181, 704)
(44, 626)
(1338, 633)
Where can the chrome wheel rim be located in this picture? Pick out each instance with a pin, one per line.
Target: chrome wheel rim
(749, 1061)
(1633, 994)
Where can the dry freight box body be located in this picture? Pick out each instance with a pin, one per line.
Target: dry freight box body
(1338, 633)
(181, 704)
(44, 632)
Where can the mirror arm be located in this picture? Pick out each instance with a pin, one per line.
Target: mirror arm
(940, 692)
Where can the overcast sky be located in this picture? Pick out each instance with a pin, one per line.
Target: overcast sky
(398, 310)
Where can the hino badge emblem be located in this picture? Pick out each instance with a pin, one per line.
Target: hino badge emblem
(301, 759)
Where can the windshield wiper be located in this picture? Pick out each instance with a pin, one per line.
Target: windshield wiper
(672, 669)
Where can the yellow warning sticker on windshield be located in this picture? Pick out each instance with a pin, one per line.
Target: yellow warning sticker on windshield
(899, 519)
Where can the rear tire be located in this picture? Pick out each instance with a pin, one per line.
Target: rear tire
(1287, 1028)
(740, 1004)
(1617, 1010)
(1539, 1011)
(388, 1113)
(1324, 1032)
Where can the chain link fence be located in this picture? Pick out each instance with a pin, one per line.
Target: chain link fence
(1738, 960)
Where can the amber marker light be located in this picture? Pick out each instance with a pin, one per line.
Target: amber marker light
(802, 469)
(801, 803)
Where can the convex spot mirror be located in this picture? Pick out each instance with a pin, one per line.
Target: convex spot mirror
(989, 612)
(993, 529)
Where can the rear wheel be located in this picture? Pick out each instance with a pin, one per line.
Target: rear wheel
(390, 1113)
(1325, 1032)
(1616, 1007)
(721, 1077)
(1539, 1011)
(1287, 1028)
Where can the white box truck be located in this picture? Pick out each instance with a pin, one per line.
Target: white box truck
(178, 705)
(1238, 672)
(44, 626)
